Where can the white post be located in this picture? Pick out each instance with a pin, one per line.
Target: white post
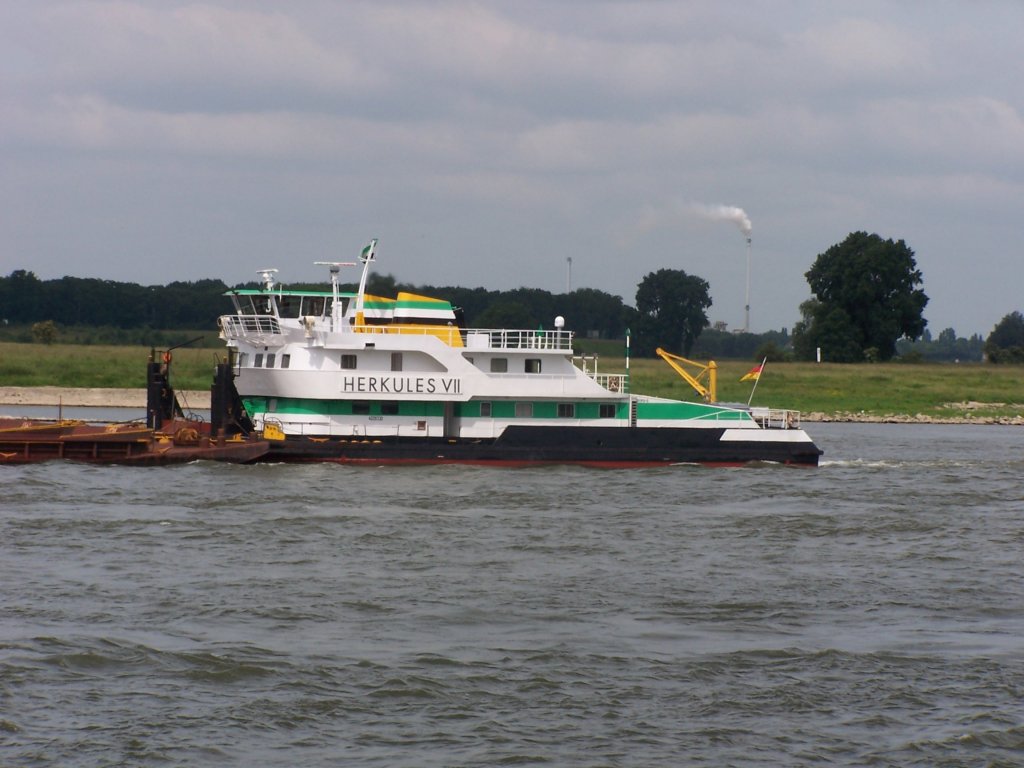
(746, 317)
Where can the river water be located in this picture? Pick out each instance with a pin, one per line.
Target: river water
(869, 612)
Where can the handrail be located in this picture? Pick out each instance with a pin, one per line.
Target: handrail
(776, 418)
(257, 328)
(243, 326)
(613, 382)
(517, 338)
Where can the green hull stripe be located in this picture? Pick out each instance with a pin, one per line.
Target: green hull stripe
(500, 409)
(688, 411)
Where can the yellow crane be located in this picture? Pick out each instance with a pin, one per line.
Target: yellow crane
(708, 373)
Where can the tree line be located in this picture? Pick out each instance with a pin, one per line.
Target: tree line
(867, 305)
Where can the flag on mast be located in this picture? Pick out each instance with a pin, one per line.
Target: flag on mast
(367, 254)
(753, 374)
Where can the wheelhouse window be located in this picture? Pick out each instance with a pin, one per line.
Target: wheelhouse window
(607, 410)
(532, 365)
(499, 365)
(567, 410)
(524, 410)
(348, 362)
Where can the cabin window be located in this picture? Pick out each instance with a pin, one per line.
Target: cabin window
(532, 365)
(271, 359)
(389, 408)
(361, 409)
(524, 410)
(485, 410)
(396, 361)
(567, 410)
(607, 410)
(348, 362)
(286, 361)
(258, 362)
(499, 365)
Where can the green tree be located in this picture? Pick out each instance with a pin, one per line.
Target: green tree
(506, 314)
(867, 297)
(671, 306)
(1006, 342)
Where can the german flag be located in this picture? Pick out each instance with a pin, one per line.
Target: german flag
(753, 374)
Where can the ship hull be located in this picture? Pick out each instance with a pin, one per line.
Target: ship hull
(591, 446)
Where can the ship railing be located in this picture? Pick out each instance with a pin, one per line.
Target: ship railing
(613, 382)
(504, 338)
(776, 418)
(256, 328)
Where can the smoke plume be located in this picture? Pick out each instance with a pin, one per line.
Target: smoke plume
(726, 213)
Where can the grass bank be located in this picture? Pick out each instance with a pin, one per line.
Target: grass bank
(933, 390)
(71, 365)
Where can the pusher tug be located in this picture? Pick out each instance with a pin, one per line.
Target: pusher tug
(169, 436)
(356, 378)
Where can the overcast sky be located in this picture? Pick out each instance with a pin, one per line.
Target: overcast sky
(485, 143)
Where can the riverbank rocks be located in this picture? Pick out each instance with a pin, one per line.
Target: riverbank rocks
(918, 418)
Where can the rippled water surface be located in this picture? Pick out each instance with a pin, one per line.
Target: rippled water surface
(869, 612)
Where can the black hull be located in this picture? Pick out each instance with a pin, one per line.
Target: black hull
(523, 446)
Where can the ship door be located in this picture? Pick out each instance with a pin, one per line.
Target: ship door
(450, 425)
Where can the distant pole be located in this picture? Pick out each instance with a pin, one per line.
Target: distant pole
(627, 350)
(568, 274)
(746, 317)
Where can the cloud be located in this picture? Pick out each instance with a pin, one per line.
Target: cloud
(590, 128)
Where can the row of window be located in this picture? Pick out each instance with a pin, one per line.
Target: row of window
(260, 360)
(498, 364)
(523, 410)
(350, 362)
(501, 409)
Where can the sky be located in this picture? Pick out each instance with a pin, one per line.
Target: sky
(488, 143)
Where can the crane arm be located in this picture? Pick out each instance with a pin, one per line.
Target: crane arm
(708, 372)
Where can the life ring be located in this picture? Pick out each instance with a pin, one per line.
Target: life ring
(167, 357)
(613, 385)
